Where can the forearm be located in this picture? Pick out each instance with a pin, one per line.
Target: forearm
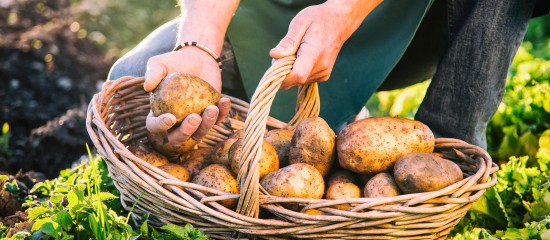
(206, 21)
(353, 10)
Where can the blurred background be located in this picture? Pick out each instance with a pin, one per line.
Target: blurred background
(54, 55)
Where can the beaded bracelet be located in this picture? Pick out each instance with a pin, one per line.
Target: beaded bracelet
(202, 47)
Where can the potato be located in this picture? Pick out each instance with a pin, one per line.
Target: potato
(313, 143)
(341, 176)
(343, 190)
(237, 134)
(313, 212)
(219, 177)
(381, 185)
(182, 94)
(280, 139)
(372, 145)
(196, 159)
(177, 171)
(424, 172)
(269, 161)
(159, 141)
(220, 153)
(146, 153)
(297, 180)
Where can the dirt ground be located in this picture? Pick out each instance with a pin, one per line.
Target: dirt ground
(47, 77)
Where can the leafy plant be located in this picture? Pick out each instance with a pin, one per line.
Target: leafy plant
(518, 206)
(82, 203)
(524, 113)
(401, 102)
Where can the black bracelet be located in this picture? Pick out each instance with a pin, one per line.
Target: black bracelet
(202, 47)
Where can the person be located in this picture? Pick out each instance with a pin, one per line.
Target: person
(359, 46)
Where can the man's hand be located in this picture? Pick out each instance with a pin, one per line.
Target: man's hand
(316, 36)
(192, 61)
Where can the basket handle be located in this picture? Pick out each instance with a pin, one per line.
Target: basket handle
(307, 105)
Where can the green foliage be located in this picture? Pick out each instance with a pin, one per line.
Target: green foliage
(401, 102)
(82, 203)
(117, 26)
(187, 232)
(537, 34)
(524, 113)
(518, 206)
(79, 204)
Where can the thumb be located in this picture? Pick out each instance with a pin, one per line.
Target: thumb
(160, 123)
(291, 42)
(154, 74)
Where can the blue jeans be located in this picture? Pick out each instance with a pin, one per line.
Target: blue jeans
(465, 46)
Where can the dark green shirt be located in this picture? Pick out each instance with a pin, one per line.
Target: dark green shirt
(363, 63)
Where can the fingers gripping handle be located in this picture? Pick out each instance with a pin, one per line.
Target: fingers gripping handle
(308, 105)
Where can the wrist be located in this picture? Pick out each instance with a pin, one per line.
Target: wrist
(209, 37)
(201, 47)
(358, 10)
(206, 22)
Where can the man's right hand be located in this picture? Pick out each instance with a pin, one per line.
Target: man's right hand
(190, 60)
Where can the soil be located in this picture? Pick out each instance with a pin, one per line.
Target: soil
(11, 212)
(47, 77)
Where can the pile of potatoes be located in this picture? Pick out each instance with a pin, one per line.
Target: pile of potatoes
(372, 157)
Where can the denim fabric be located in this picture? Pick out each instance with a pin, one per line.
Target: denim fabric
(483, 37)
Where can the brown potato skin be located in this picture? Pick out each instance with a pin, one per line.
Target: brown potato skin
(343, 190)
(296, 180)
(220, 153)
(146, 153)
(341, 176)
(314, 142)
(195, 160)
(424, 172)
(381, 185)
(280, 139)
(372, 145)
(219, 177)
(182, 94)
(177, 171)
(159, 141)
(269, 161)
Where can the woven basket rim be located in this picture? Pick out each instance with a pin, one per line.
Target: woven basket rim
(125, 168)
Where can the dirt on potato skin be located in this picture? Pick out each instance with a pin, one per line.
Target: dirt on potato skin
(48, 74)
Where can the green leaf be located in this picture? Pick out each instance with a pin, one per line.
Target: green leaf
(36, 212)
(67, 237)
(512, 234)
(144, 229)
(56, 199)
(546, 104)
(39, 223)
(52, 229)
(104, 196)
(176, 230)
(72, 198)
(64, 219)
(490, 205)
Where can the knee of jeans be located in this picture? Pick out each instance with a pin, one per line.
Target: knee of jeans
(127, 67)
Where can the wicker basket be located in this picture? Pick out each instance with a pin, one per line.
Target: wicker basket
(116, 118)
